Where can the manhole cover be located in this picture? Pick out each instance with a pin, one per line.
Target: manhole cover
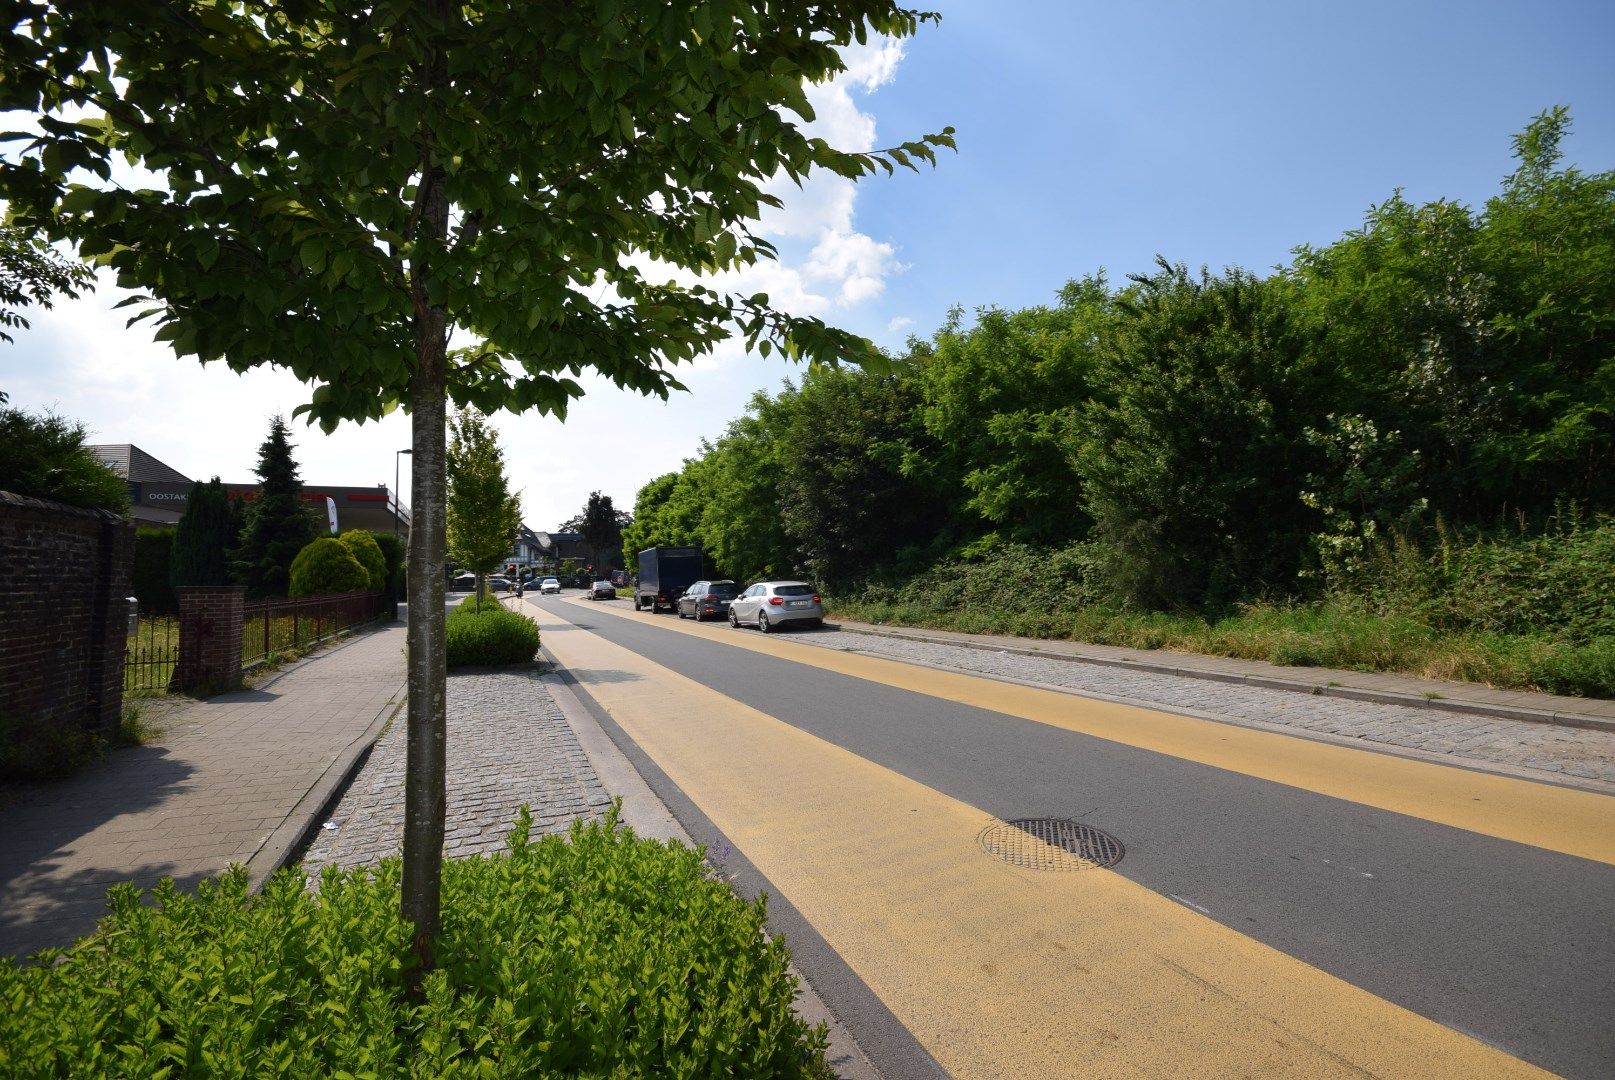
(1050, 844)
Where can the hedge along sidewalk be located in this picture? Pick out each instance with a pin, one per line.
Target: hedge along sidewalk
(1475, 699)
(238, 778)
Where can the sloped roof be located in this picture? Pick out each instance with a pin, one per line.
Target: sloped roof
(134, 464)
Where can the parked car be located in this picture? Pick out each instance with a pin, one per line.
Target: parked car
(768, 605)
(620, 579)
(706, 600)
(549, 585)
(602, 590)
(468, 583)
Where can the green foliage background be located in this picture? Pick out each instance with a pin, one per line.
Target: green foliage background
(1428, 401)
(43, 457)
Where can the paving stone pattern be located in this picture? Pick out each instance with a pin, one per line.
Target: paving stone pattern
(1569, 752)
(508, 744)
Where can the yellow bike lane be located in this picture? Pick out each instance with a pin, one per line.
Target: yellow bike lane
(1003, 971)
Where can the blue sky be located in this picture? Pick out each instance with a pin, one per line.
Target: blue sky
(1089, 136)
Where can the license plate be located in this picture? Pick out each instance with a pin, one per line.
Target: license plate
(796, 603)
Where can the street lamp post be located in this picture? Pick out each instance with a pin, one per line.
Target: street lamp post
(395, 487)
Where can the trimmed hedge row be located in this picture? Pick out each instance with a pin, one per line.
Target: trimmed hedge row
(489, 636)
(601, 954)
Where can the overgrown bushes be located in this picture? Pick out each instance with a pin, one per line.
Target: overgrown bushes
(1520, 610)
(605, 955)
(488, 635)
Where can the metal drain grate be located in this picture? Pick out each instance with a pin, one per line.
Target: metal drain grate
(1050, 844)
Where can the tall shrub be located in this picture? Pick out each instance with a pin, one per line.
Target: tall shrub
(202, 540)
(43, 457)
(392, 553)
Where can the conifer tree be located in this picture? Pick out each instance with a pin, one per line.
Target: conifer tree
(278, 525)
(202, 541)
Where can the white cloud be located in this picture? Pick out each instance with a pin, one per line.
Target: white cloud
(899, 324)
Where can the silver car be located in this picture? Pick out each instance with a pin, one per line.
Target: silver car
(769, 605)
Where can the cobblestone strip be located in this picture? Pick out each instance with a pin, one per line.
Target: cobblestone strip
(1569, 752)
(508, 744)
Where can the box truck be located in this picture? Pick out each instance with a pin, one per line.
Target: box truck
(664, 574)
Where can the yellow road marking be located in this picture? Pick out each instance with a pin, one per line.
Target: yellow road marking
(1580, 823)
(1000, 971)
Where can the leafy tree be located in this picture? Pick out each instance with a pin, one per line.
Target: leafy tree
(483, 514)
(648, 529)
(364, 548)
(327, 566)
(44, 457)
(1000, 399)
(348, 183)
(846, 503)
(742, 478)
(202, 539)
(601, 529)
(279, 524)
(31, 273)
(1192, 464)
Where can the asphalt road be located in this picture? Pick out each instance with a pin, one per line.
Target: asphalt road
(1507, 943)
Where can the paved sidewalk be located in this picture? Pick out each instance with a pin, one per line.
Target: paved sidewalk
(508, 744)
(236, 779)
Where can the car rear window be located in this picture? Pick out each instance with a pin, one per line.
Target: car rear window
(724, 588)
(793, 590)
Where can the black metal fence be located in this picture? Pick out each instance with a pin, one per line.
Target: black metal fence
(270, 627)
(150, 653)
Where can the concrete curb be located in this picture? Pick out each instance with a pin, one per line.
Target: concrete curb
(288, 838)
(1382, 697)
(277, 851)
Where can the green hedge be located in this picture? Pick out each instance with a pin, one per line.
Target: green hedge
(601, 954)
(151, 584)
(490, 636)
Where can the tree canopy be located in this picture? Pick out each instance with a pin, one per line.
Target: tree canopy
(349, 184)
(1196, 439)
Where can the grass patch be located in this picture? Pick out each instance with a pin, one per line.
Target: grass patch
(600, 954)
(1322, 634)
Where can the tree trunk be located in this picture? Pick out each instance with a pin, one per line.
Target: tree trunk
(425, 798)
(424, 781)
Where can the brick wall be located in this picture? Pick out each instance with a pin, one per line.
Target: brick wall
(64, 574)
(209, 638)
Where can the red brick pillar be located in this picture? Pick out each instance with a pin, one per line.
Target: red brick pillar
(209, 639)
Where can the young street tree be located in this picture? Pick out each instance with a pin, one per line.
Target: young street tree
(347, 183)
(483, 515)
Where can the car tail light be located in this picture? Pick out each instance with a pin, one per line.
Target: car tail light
(774, 601)
(815, 598)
